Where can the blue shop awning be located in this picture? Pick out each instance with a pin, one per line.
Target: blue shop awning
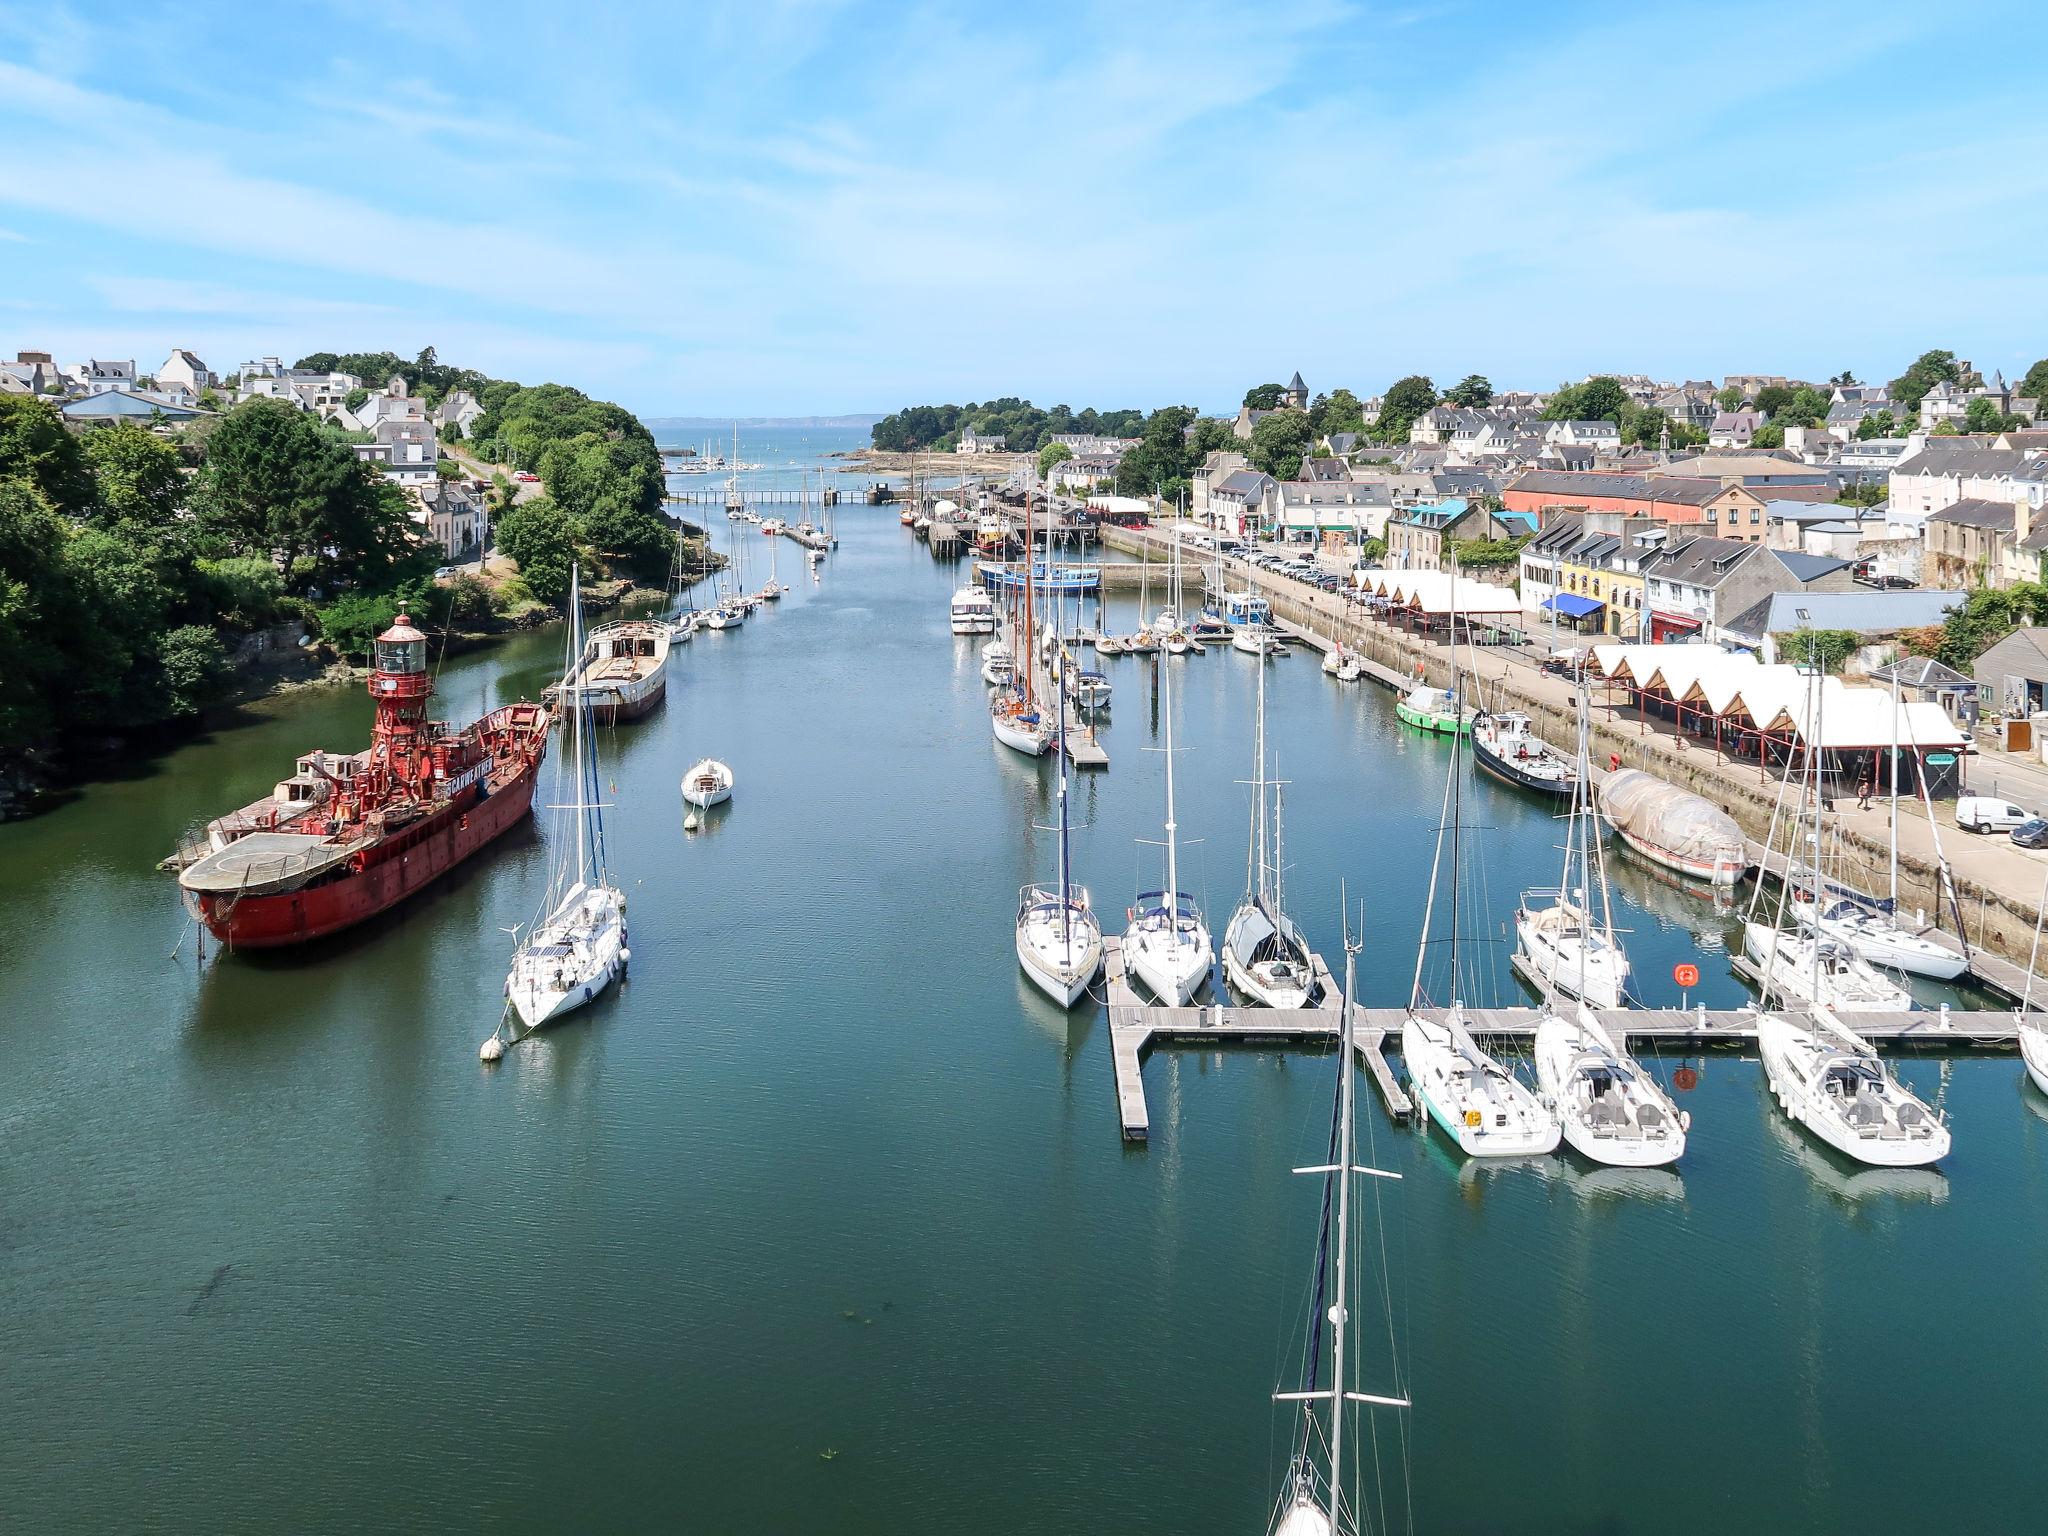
(1572, 606)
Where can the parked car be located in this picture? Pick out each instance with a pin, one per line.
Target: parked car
(1894, 583)
(1987, 814)
(528, 476)
(2031, 833)
(444, 572)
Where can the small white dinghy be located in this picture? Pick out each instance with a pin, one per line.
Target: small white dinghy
(709, 783)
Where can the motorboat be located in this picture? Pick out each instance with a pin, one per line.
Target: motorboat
(998, 666)
(1608, 1108)
(1829, 1080)
(973, 611)
(1484, 1108)
(1504, 746)
(1801, 966)
(708, 783)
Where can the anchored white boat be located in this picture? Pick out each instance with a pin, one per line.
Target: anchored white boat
(578, 948)
(2034, 1051)
(1479, 1104)
(1557, 935)
(974, 611)
(1608, 1108)
(1264, 955)
(1876, 937)
(708, 783)
(1830, 1080)
(1059, 937)
(1167, 945)
(1801, 966)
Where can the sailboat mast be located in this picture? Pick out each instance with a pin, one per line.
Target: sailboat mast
(1340, 1310)
(1172, 853)
(1255, 877)
(1457, 779)
(576, 732)
(1895, 791)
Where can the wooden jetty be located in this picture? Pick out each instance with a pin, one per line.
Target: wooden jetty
(717, 497)
(1084, 747)
(1134, 1026)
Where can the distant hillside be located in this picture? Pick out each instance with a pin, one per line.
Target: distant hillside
(663, 424)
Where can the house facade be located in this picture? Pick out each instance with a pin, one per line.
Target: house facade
(184, 367)
(1978, 542)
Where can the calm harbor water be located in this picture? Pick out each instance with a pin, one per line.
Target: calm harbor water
(822, 1222)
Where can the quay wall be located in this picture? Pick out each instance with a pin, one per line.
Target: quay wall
(2001, 922)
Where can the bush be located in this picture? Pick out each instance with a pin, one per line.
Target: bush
(350, 623)
(468, 599)
(246, 591)
(195, 669)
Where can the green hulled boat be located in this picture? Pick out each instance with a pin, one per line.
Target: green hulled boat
(1435, 709)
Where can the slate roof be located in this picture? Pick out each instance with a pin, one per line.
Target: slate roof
(1703, 562)
(1922, 672)
(1863, 612)
(1961, 459)
(1809, 568)
(1975, 512)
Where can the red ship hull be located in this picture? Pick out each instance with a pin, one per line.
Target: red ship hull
(403, 864)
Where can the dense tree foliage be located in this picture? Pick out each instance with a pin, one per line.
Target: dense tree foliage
(1828, 649)
(1338, 411)
(1876, 424)
(1264, 397)
(1022, 426)
(1926, 371)
(1163, 463)
(137, 476)
(1729, 398)
(2035, 384)
(35, 446)
(1051, 454)
(1405, 400)
(542, 538)
(1983, 415)
(426, 375)
(1471, 392)
(1279, 442)
(1598, 399)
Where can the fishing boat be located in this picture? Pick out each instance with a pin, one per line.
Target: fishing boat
(1314, 1500)
(1608, 1108)
(622, 673)
(973, 611)
(1504, 746)
(350, 835)
(708, 783)
(1352, 670)
(1059, 937)
(1264, 955)
(1167, 944)
(1831, 1080)
(1436, 710)
(579, 948)
(1558, 938)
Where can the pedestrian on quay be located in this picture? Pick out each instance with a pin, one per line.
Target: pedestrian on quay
(1863, 793)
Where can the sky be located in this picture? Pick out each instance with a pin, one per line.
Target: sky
(801, 206)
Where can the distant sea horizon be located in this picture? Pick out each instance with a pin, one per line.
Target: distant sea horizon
(660, 424)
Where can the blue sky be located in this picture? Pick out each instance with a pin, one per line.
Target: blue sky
(789, 206)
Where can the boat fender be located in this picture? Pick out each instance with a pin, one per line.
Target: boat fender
(359, 861)
(625, 958)
(1685, 1120)
(1474, 1119)
(462, 822)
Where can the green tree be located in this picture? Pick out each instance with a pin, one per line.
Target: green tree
(1341, 411)
(36, 613)
(1982, 415)
(355, 398)
(1600, 398)
(1278, 443)
(2035, 384)
(1945, 429)
(35, 446)
(1770, 435)
(1729, 399)
(274, 483)
(1163, 462)
(1827, 649)
(1772, 398)
(541, 538)
(1472, 391)
(1264, 397)
(1406, 399)
(195, 669)
(138, 476)
(1926, 371)
(1051, 454)
(1876, 424)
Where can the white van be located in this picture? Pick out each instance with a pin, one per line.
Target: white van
(1988, 813)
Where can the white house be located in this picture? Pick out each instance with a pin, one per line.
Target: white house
(1602, 436)
(97, 376)
(183, 367)
(460, 408)
(972, 441)
(1943, 473)
(405, 451)
(1734, 429)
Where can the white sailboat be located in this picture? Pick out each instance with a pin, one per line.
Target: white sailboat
(1480, 1104)
(1264, 955)
(1608, 1108)
(577, 950)
(1013, 711)
(1824, 1075)
(1557, 935)
(1313, 1500)
(1167, 944)
(1059, 937)
(708, 783)
(1802, 964)
(1876, 934)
